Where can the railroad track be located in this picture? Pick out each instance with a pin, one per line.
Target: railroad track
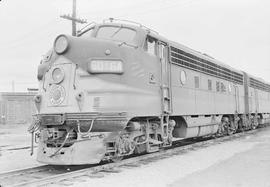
(64, 175)
(13, 178)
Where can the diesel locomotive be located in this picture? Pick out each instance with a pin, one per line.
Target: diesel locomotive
(119, 88)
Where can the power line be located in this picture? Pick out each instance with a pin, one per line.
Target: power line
(73, 18)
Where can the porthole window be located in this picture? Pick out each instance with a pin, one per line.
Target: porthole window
(183, 77)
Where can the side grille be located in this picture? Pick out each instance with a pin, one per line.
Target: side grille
(259, 85)
(196, 63)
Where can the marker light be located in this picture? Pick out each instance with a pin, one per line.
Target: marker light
(60, 44)
(58, 75)
(106, 66)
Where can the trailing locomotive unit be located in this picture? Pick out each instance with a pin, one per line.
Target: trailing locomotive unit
(120, 88)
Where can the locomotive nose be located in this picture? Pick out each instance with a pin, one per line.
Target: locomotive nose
(81, 47)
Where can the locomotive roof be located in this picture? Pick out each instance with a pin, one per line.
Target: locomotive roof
(141, 28)
(191, 51)
(206, 57)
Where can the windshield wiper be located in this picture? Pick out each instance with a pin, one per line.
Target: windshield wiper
(130, 45)
(86, 28)
(120, 28)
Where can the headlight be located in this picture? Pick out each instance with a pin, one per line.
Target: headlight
(57, 94)
(105, 66)
(60, 44)
(58, 75)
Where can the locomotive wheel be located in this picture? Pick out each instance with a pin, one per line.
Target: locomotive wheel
(254, 123)
(254, 126)
(236, 126)
(231, 128)
(230, 131)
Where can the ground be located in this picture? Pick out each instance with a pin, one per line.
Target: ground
(248, 168)
(240, 162)
(14, 148)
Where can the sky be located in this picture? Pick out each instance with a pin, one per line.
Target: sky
(236, 32)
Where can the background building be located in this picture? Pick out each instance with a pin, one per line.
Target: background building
(17, 107)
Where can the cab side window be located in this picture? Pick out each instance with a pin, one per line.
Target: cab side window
(150, 45)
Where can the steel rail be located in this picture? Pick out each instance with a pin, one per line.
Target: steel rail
(92, 171)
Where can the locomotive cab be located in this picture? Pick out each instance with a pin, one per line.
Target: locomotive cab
(121, 55)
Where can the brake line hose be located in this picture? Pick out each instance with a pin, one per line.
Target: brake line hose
(62, 145)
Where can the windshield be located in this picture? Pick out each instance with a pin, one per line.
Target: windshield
(122, 34)
(87, 33)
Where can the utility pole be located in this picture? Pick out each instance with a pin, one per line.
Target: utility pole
(73, 18)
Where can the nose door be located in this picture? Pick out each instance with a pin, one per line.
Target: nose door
(165, 86)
